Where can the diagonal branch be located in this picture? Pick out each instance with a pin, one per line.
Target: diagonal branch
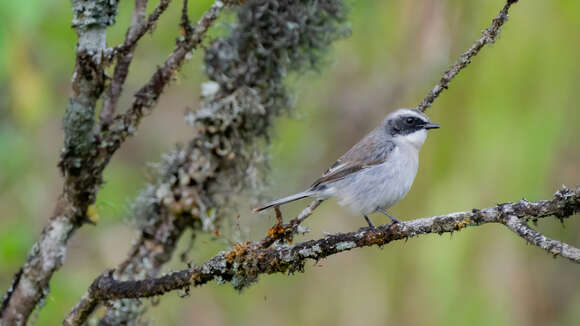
(126, 124)
(556, 248)
(246, 261)
(124, 54)
(488, 36)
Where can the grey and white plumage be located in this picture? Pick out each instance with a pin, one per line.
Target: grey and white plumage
(378, 171)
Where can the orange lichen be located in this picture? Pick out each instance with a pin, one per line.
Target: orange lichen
(461, 224)
(277, 230)
(195, 277)
(238, 251)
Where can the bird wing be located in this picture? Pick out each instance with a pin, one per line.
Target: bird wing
(370, 151)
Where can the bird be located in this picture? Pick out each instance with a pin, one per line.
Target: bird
(377, 172)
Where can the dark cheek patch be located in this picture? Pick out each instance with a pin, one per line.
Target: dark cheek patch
(392, 128)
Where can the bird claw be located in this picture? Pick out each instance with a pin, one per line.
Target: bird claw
(393, 222)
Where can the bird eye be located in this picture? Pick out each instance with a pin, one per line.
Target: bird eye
(410, 120)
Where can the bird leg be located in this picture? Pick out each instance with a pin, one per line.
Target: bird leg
(393, 219)
(368, 221)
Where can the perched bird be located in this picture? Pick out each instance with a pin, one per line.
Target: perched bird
(378, 171)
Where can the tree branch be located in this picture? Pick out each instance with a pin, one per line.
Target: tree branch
(488, 36)
(124, 54)
(91, 18)
(246, 261)
(554, 247)
(126, 124)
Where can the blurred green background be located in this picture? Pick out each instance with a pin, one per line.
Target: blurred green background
(510, 129)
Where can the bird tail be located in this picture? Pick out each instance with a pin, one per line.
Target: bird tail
(284, 200)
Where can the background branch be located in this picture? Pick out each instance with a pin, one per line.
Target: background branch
(87, 152)
(126, 124)
(488, 36)
(31, 283)
(124, 55)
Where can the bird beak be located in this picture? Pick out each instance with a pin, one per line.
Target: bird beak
(432, 125)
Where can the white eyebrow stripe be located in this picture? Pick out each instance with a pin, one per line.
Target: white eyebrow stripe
(335, 168)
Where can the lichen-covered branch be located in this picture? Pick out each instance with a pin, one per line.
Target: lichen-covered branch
(488, 36)
(554, 247)
(31, 282)
(246, 261)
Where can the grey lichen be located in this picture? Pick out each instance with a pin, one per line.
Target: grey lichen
(310, 252)
(78, 125)
(124, 309)
(245, 91)
(341, 246)
(89, 13)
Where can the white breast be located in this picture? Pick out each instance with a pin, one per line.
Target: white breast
(382, 185)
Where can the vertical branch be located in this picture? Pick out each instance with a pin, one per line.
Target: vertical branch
(31, 284)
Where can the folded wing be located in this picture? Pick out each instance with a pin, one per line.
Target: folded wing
(370, 151)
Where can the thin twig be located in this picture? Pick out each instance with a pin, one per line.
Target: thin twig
(488, 36)
(243, 264)
(126, 124)
(124, 54)
(286, 231)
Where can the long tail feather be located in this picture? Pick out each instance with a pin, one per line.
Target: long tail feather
(284, 200)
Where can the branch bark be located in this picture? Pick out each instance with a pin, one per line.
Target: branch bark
(488, 36)
(554, 247)
(124, 125)
(31, 282)
(246, 261)
(124, 54)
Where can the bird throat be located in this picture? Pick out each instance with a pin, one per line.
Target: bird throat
(415, 139)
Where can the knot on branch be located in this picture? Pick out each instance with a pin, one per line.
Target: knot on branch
(565, 195)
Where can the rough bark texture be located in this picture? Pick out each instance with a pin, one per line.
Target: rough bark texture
(246, 261)
(31, 284)
(124, 55)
